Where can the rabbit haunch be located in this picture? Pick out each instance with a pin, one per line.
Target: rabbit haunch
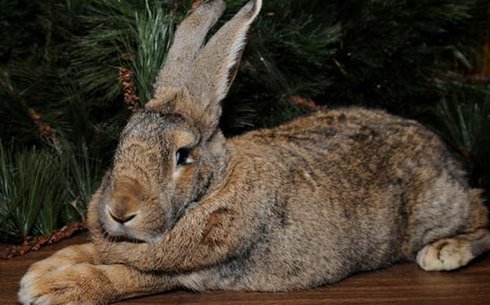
(296, 206)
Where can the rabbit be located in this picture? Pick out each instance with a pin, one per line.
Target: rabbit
(304, 204)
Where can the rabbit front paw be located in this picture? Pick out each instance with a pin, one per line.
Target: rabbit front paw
(70, 284)
(41, 268)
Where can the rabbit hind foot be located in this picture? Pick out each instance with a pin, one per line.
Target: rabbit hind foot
(455, 252)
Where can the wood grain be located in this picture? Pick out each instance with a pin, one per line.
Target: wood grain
(400, 284)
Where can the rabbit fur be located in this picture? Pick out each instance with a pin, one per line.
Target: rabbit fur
(297, 206)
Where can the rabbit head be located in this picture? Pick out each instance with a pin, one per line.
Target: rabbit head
(172, 152)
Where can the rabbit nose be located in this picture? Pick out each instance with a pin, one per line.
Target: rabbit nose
(122, 219)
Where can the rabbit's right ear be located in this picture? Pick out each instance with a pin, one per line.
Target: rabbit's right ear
(188, 41)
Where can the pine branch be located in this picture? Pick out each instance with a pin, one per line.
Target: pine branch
(11, 95)
(45, 130)
(35, 243)
(126, 79)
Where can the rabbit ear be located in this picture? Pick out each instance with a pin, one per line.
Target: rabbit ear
(211, 75)
(188, 41)
(195, 79)
(216, 64)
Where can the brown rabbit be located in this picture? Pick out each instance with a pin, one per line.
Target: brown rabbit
(297, 206)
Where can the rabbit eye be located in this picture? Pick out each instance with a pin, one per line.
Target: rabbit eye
(182, 156)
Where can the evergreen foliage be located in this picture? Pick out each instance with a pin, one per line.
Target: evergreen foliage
(41, 190)
(71, 73)
(463, 120)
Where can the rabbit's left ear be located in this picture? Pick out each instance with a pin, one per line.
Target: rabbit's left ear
(216, 66)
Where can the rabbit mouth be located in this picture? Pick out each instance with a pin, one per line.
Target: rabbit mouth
(119, 238)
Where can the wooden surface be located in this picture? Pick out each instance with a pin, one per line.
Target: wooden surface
(401, 284)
